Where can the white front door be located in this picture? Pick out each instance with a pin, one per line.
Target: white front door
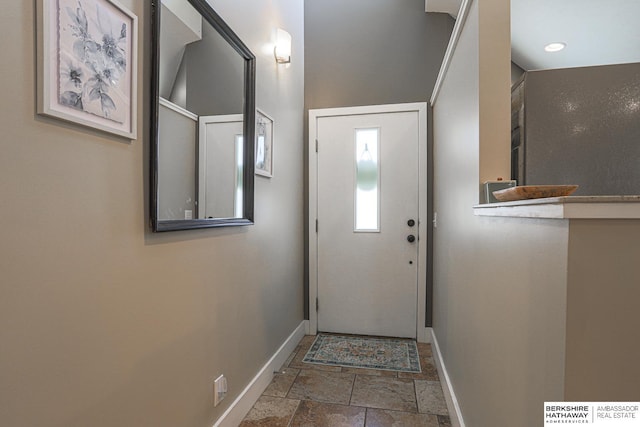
(367, 189)
(220, 172)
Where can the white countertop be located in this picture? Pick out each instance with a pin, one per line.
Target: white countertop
(572, 207)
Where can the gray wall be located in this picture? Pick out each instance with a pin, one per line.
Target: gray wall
(205, 76)
(516, 72)
(583, 127)
(214, 75)
(602, 311)
(368, 52)
(103, 322)
(499, 290)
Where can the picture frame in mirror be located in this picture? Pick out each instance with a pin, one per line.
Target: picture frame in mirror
(264, 144)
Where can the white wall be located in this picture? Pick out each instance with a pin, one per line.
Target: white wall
(177, 163)
(103, 322)
(499, 291)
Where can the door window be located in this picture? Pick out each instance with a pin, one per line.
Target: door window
(367, 171)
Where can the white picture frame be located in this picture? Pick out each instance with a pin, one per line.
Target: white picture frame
(87, 64)
(264, 144)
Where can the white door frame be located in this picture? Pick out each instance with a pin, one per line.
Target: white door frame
(314, 115)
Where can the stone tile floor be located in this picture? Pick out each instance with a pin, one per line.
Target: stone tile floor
(304, 395)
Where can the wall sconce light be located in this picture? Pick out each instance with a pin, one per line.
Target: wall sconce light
(282, 51)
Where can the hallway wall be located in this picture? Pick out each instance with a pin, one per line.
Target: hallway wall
(103, 322)
(499, 283)
(369, 52)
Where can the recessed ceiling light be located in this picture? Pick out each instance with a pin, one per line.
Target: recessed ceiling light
(555, 47)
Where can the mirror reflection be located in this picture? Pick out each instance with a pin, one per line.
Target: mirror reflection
(203, 99)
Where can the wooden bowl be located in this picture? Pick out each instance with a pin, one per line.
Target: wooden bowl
(524, 192)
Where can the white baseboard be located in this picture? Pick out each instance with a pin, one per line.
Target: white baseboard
(449, 394)
(234, 415)
(307, 328)
(424, 335)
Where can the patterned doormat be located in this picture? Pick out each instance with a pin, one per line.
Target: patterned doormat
(389, 354)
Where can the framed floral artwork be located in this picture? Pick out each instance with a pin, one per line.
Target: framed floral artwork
(87, 64)
(264, 144)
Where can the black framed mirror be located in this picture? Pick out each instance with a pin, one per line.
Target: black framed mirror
(202, 120)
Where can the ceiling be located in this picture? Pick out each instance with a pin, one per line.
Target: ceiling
(596, 32)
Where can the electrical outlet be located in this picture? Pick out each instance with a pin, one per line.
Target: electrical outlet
(219, 389)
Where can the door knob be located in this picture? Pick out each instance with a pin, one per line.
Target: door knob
(411, 238)
(411, 223)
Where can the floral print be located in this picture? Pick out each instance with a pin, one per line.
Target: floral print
(93, 59)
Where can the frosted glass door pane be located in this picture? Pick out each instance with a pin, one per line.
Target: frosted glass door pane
(239, 175)
(367, 191)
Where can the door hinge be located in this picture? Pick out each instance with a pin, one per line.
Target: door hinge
(316, 225)
(317, 304)
(316, 145)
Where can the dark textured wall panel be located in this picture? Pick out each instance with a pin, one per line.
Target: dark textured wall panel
(583, 127)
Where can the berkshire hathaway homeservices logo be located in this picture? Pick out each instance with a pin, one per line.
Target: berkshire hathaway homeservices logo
(601, 414)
